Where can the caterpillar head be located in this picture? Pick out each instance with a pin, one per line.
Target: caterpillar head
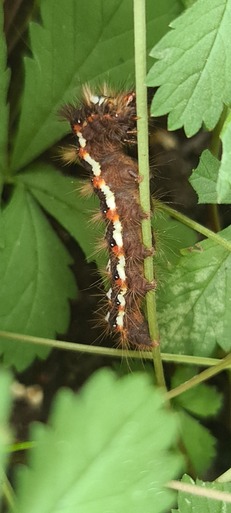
(108, 114)
(107, 100)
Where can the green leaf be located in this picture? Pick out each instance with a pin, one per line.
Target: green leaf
(224, 178)
(199, 444)
(61, 197)
(204, 178)
(202, 401)
(107, 449)
(190, 503)
(194, 305)
(158, 18)
(194, 67)
(36, 281)
(4, 82)
(5, 406)
(225, 477)
(2, 235)
(171, 237)
(188, 3)
(212, 178)
(77, 42)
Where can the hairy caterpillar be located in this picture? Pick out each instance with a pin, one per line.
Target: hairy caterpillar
(103, 125)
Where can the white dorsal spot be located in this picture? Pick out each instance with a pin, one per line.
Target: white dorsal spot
(120, 319)
(121, 300)
(122, 260)
(109, 197)
(109, 294)
(97, 100)
(107, 317)
(118, 238)
(95, 166)
(82, 141)
(121, 271)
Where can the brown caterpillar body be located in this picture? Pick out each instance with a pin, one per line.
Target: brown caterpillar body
(102, 125)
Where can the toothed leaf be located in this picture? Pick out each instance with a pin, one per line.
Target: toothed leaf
(77, 42)
(61, 197)
(5, 432)
(199, 444)
(171, 237)
(224, 177)
(194, 304)
(107, 449)
(4, 82)
(204, 178)
(190, 503)
(36, 281)
(202, 401)
(194, 67)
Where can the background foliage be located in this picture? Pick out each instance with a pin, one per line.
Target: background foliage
(124, 419)
(59, 33)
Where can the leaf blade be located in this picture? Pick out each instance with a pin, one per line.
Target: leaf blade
(203, 401)
(193, 305)
(4, 83)
(204, 178)
(198, 442)
(60, 196)
(224, 181)
(5, 406)
(115, 413)
(188, 503)
(194, 67)
(77, 35)
(36, 280)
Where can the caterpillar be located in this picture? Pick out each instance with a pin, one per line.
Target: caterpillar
(104, 124)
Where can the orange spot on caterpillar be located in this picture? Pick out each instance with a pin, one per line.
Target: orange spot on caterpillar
(118, 251)
(120, 283)
(130, 97)
(82, 153)
(98, 182)
(112, 215)
(121, 308)
(91, 118)
(107, 116)
(121, 330)
(76, 127)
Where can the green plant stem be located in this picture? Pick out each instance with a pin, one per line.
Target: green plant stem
(196, 226)
(225, 477)
(215, 148)
(8, 493)
(215, 143)
(20, 446)
(203, 376)
(143, 158)
(214, 218)
(200, 491)
(105, 351)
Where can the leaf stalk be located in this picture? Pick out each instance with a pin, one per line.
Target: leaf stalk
(106, 351)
